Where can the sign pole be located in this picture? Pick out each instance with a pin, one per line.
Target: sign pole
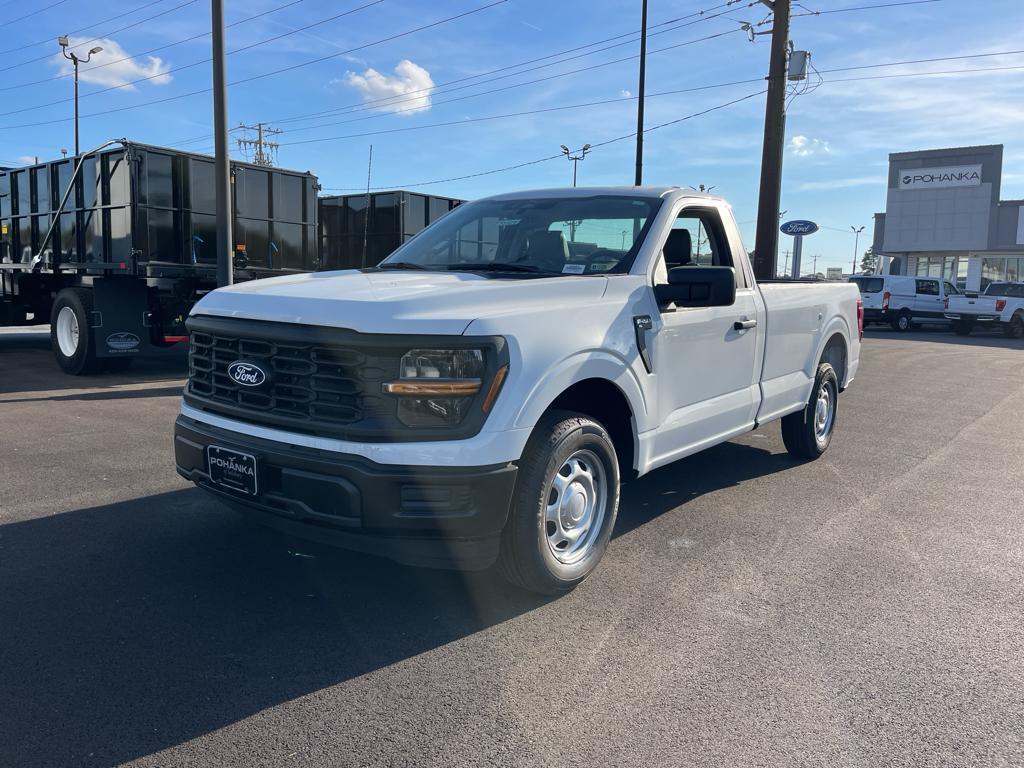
(798, 250)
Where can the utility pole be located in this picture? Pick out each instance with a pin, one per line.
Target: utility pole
(856, 244)
(767, 240)
(639, 179)
(222, 169)
(263, 150)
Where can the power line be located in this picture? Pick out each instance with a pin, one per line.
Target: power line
(867, 7)
(82, 29)
(166, 72)
(151, 50)
(267, 74)
(924, 61)
(559, 155)
(37, 12)
(93, 40)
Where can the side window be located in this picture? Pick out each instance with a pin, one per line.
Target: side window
(928, 287)
(951, 289)
(697, 239)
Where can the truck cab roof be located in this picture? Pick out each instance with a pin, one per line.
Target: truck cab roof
(622, 191)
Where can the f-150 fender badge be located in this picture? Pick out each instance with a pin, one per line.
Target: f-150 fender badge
(122, 341)
(641, 325)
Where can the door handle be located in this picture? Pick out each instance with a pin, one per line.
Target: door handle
(743, 325)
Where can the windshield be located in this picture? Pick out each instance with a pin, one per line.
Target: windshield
(564, 236)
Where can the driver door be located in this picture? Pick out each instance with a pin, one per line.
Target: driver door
(705, 360)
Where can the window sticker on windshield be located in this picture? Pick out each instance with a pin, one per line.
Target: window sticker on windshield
(508, 222)
(574, 269)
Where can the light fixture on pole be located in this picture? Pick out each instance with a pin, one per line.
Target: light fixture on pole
(856, 244)
(575, 158)
(75, 60)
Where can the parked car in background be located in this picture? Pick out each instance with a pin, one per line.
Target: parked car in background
(1000, 306)
(480, 394)
(902, 301)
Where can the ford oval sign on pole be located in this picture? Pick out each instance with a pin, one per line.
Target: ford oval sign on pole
(798, 228)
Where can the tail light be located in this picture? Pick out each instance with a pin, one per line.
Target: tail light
(860, 318)
(1000, 305)
(885, 300)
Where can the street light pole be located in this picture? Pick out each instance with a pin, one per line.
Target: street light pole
(75, 61)
(222, 166)
(856, 246)
(638, 177)
(575, 158)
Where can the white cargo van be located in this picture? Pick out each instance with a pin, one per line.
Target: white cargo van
(902, 301)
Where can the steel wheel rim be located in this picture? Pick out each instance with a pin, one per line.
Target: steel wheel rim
(67, 331)
(904, 322)
(576, 502)
(824, 412)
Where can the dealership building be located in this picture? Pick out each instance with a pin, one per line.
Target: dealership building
(943, 218)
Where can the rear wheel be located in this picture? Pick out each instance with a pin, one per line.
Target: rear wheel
(69, 331)
(963, 327)
(565, 505)
(1015, 328)
(902, 321)
(808, 432)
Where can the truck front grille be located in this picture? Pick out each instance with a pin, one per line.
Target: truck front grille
(313, 387)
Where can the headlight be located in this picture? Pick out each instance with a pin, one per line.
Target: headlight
(437, 386)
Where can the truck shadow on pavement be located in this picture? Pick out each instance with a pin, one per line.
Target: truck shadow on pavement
(29, 367)
(136, 626)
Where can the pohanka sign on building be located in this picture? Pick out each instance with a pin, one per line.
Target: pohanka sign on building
(939, 178)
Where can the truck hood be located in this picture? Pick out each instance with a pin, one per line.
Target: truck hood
(442, 303)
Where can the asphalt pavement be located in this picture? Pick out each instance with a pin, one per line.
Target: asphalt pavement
(866, 609)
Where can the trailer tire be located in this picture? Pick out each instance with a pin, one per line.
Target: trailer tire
(1015, 328)
(69, 332)
(808, 432)
(565, 504)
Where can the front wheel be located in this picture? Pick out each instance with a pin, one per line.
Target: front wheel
(565, 505)
(808, 432)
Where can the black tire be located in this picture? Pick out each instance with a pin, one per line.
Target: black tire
(75, 354)
(963, 328)
(1015, 328)
(117, 364)
(902, 321)
(800, 430)
(527, 558)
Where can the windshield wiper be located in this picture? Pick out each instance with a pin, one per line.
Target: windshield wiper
(493, 266)
(400, 265)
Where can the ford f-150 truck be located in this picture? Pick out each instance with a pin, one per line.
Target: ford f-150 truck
(479, 395)
(1001, 305)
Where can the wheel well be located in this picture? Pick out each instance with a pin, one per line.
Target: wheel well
(603, 402)
(835, 354)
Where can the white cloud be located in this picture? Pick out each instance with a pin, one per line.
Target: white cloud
(113, 66)
(625, 94)
(409, 79)
(802, 146)
(26, 159)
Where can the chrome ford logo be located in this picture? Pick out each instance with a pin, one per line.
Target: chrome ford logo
(246, 374)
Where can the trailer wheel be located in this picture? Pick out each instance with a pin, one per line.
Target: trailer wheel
(1015, 328)
(565, 504)
(69, 332)
(808, 432)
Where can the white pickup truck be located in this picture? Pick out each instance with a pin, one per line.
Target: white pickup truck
(1001, 305)
(479, 395)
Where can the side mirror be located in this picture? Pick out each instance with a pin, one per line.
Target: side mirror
(698, 287)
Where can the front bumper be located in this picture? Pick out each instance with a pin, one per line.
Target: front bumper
(446, 517)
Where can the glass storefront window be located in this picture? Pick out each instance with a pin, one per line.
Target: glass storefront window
(1012, 270)
(992, 270)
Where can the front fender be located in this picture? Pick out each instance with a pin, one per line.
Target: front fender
(587, 364)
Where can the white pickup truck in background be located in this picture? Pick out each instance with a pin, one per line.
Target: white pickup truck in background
(1001, 305)
(479, 395)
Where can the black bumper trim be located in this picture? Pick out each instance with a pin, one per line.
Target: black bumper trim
(434, 516)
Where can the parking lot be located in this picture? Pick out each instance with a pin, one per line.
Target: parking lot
(865, 609)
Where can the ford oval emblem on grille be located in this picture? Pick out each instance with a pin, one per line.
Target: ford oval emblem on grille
(247, 374)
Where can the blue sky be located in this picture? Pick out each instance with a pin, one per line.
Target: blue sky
(839, 134)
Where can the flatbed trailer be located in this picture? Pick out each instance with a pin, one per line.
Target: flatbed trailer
(113, 249)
